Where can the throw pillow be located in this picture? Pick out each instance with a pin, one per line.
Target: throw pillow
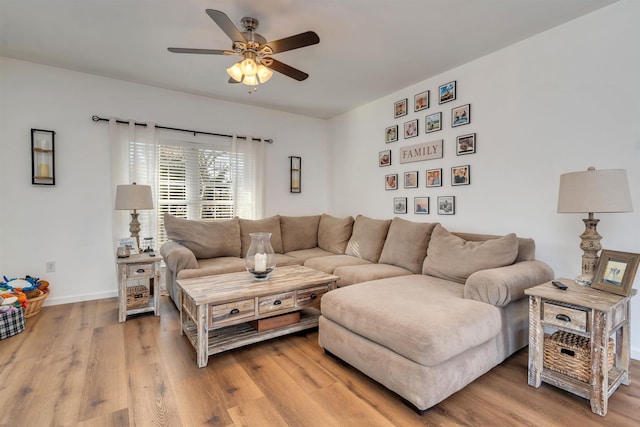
(368, 237)
(334, 233)
(406, 244)
(206, 239)
(299, 232)
(265, 225)
(452, 258)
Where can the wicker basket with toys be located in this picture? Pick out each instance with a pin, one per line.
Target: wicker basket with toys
(29, 293)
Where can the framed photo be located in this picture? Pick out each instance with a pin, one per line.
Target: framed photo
(400, 108)
(447, 92)
(411, 179)
(446, 205)
(421, 205)
(615, 272)
(132, 243)
(434, 177)
(399, 205)
(391, 134)
(391, 181)
(461, 175)
(461, 115)
(411, 129)
(466, 144)
(384, 158)
(421, 101)
(433, 122)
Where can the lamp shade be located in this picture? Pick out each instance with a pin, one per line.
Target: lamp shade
(605, 190)
(133, 197)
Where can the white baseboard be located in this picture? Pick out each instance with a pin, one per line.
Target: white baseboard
(79, 298)
(635, 353)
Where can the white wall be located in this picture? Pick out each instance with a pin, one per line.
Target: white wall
(70, 223)
(558, 102)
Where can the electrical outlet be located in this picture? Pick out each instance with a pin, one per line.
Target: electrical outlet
(51, 266)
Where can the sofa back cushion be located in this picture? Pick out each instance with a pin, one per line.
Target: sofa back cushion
(267, 225)
(206, 239)
(299, 232)
(452, 258)
(368, 238)
(334, 233)
(406, 244)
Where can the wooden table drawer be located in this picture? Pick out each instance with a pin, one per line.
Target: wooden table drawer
(311, 296)
(140, 270)
(275, 302)
(226, 313)
(565, 316)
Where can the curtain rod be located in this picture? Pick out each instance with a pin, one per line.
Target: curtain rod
(194, 132)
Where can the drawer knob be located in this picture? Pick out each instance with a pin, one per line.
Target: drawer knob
(277, 302)
(234, 311)
(563, 317)
(140, 270)
(313, 296)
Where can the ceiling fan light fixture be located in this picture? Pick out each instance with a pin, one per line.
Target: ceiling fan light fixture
(264, 74)
(235, 72)
(249, 67)
(250, 80)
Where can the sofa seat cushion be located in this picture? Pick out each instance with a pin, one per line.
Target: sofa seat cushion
(304, 254)
(351, 274)
(329, 263)
(422, 318)
(284, 260)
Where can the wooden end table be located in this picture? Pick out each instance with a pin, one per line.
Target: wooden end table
(588, 312)
(215, 311)
(138, 270)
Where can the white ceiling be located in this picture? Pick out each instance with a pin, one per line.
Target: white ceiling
(367, 49)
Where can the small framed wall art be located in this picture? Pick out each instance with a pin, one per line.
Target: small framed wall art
(411, 179)
(461, 175)
(421, 205)
(447, 92)
(421, 101)
(399, 205)
(296, 171)
(461, 115)
(446, 205)
(433, 122)
(400, 108)
(411, 129)
(434, 177)
(466, 144)
(391, 181)
(43, 157)
(391, 134)
(384, 158)
(615, 272)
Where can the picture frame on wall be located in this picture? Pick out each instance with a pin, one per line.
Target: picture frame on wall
(391, 181)
(461, 115)
(411, 129)
(400, 108)
(421, 205)
(461, 175)
(433, 122)
(399, 205)
(466, 144)
(391, 134)
(446, 205)
(615, 272)
(411, 179)
(421, 101)
(384, 158)
(434, 177)
(447, 92)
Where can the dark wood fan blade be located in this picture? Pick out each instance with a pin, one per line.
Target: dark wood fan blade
(233, 81)
(226, 25)
(201, 51)
(287, 70)
(294, 42)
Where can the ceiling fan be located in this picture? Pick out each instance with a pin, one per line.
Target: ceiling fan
(257, 64)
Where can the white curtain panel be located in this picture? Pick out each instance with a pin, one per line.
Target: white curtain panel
(248, 156)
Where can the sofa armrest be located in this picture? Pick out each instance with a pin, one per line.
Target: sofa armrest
(500, 286)
(178, 257)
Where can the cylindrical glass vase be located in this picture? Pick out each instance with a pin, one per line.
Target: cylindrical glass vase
(260, 260)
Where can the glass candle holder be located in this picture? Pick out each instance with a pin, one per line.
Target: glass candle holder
(260, 260)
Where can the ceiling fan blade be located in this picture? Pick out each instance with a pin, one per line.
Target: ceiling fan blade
(294, 42)
(201, 51)
(287, 70)
(231, 80)
(226, 25)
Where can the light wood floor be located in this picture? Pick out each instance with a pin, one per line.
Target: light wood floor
(75, 365)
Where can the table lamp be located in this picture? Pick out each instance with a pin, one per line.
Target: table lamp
(134, 197)
(605, 190)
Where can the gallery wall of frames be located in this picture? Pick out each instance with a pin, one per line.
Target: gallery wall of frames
(413, 140)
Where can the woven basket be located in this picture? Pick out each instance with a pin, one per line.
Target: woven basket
(35, 304)
(570, 354)
(137, 296)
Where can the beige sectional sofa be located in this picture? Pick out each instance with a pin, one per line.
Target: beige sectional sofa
(421, 310)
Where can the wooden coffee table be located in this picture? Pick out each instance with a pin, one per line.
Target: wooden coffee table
(219, 313)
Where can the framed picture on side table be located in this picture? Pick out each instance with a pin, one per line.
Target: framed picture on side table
(615, 272)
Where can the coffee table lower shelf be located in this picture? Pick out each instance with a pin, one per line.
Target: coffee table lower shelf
(241, 334)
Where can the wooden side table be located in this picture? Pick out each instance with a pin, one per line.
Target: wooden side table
(590, 313)
(138, 270)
